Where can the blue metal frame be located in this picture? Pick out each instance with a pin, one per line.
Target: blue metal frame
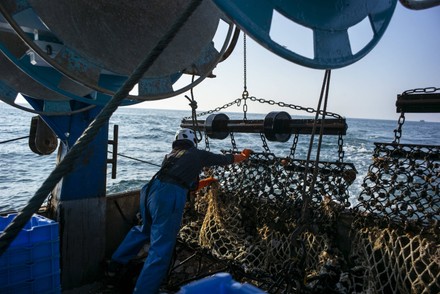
(89, 177)
(328, 19)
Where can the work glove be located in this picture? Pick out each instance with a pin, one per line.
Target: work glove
(206, 182)
(242, 156)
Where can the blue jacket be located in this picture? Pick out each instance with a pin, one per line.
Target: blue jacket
(185, 162)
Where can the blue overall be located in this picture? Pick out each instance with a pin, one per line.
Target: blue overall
(162, 215)
(162, 206)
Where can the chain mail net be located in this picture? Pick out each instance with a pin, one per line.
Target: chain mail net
(387, 243)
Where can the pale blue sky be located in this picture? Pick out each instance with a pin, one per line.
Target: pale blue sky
(407, 57)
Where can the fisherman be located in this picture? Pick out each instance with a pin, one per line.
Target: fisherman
(162, 201)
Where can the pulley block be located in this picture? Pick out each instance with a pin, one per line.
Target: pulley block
(42, 140)
(329, 21)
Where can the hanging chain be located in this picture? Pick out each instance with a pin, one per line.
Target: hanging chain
(245, 94)
(421, 90)
(218, 109)
(265, 146)
(207, 148)
(234, 144)
(245, 107)
(398, 131)
(270, 102)
(341, 148)
(293, 148)
(294, 107)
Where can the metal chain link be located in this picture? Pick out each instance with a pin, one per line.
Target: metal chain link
(245, 94)
(421, 90)
(341, 148)
(295, 107)
(293, 148)
(234, 144)
(207, 148)
(398, 131)
(265, 146)
(270, 102)
(245, 107)
(217, 109)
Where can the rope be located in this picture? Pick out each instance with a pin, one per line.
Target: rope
(11, 140)
(193, 105)
(137, 159)
(307, 196)
(66, 165)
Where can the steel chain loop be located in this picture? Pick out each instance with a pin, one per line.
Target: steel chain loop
(398, 131)
(265, 146)
(234, 144)
(421, 90)
(293, 148)
(270, 102)
(341, 151)
(207, 148)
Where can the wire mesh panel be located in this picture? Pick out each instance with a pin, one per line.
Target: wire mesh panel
(403, 184)
(248, 218)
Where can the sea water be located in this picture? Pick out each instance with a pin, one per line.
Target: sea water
(145, 136)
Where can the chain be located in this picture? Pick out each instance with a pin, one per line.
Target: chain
(340, 148)
(244, 64)
(270, 102)
(245, 107)
(293, 148)
(265, 146)
(207, 148)
(295, 107)
(421, 90)
(245, 94)
(398, 131)
(227, 105)
(234, 144)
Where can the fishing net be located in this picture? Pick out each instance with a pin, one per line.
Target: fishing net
(287, 225)
(387, 243)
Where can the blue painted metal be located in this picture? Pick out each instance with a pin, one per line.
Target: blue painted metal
(50, 62)
(88, 179)
(328, 19)
(50, 78)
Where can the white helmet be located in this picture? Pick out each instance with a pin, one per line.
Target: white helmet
(186, 134)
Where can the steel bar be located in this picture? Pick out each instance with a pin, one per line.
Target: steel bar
(293, 126)
(418, 103)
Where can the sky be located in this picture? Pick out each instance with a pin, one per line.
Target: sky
(406, 57)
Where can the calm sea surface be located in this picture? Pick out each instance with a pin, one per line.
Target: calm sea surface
(146, 135)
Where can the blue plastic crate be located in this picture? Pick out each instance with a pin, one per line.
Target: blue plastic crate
(221, 283)
(31, 264)
(28, 272)
(38, 229)
(49, 284)
(30, 253)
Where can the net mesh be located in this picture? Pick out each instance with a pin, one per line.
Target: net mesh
(388, 242)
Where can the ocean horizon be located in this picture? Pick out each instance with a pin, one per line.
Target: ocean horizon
(145, 136)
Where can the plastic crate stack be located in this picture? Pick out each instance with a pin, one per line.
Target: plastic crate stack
(32, 262)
